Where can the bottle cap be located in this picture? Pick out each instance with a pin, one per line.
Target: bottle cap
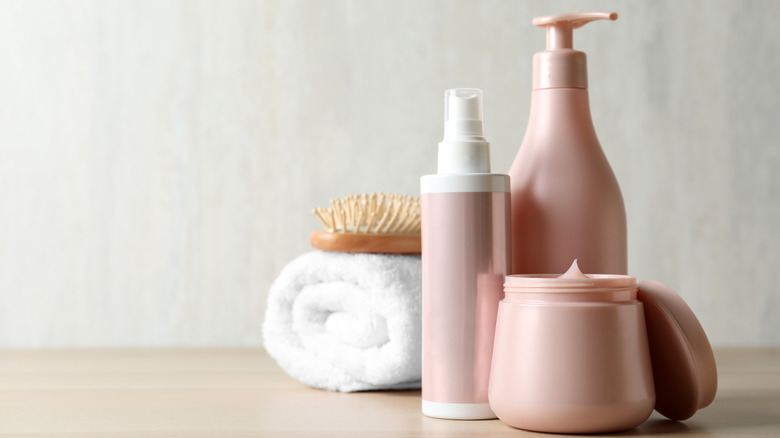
(463, 114)
(463, 149)
(684, 370)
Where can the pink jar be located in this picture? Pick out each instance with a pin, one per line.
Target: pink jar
(571, 354)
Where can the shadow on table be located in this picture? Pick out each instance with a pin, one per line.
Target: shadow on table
(729, 412)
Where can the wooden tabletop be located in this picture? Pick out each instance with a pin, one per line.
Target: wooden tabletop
(242, 393)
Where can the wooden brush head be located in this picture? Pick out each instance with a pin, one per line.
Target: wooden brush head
(374, 223)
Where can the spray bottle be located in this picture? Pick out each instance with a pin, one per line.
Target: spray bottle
(465, 256)
(566, 202)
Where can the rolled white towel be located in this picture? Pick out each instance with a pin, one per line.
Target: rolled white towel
(347, 322)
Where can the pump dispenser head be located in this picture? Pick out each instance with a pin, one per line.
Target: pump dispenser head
(560, 66)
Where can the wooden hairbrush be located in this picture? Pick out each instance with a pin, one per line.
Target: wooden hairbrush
(373, 223)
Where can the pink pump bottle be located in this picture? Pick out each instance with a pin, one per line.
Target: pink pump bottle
(566, 202)
(465, 256)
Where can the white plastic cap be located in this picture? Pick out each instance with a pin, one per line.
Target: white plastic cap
(463, 114)
(463, 149)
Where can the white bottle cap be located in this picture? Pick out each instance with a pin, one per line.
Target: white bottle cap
(463, 114)
(463, 149)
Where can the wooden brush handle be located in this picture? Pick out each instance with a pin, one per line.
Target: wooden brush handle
(371, 243)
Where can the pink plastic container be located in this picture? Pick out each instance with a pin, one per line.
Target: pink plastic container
(465, 258)
(566, 200)
(593, 353)
(571, 354)
(465, 255)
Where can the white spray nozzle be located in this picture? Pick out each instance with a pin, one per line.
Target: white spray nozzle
(463, 149)
(463, 114)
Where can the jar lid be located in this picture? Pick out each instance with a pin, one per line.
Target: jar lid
(684, 370)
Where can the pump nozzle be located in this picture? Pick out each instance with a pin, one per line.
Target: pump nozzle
(560, 66)
(560, 26)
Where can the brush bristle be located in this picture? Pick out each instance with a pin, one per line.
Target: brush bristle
(374, 213)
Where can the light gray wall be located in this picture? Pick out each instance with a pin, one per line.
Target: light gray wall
(158, 159)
